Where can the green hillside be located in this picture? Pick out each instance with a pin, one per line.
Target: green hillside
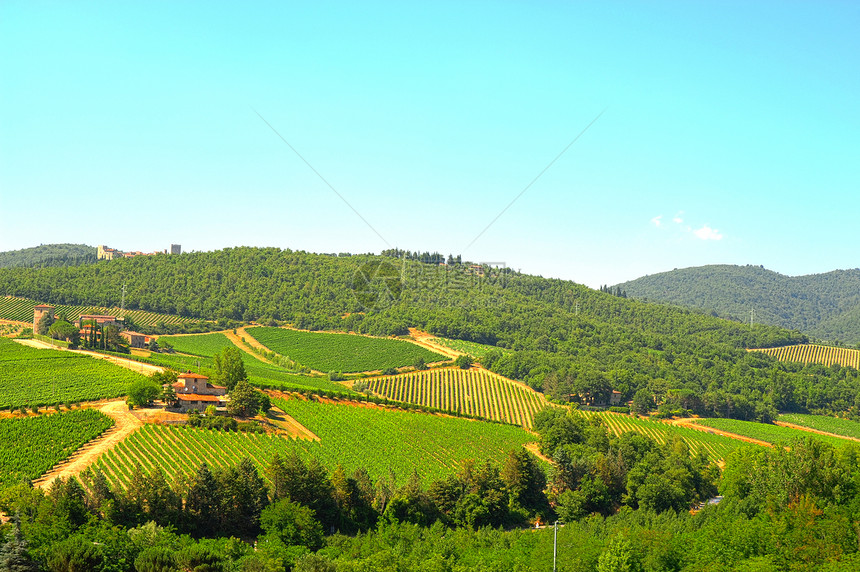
(48, 255)
(826, 306)
(562, 338)
(198, 351)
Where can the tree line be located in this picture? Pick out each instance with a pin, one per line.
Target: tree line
(623, 501)
(565, 339)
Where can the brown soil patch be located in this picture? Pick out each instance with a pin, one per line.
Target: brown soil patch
(140, 367)
(811, 430)
(251, 340)
(426, 341)
(247, 345)
(535, 448)
(689, 423)
(124, 424)
(289, 425)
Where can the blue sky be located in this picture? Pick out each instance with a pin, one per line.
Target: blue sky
(731, 131)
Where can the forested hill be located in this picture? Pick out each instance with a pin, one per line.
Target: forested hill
(567, 339)
(826, 306)
(48, 255)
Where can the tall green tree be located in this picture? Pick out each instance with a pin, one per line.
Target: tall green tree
(229, 367)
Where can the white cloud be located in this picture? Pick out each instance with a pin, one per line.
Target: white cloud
(708, 233)
(656, 220)
(677, 219)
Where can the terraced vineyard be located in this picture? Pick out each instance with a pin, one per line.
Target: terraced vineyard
(21, 310)
(715, 446)
(199, 349)
(30, 446)
(834, 425)
(378, 439)
(474, 392)
(812, 353)
(33, 376)
(767, 432)
(341, 352)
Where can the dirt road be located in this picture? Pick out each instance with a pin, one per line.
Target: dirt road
(811, 430)
(140, 367)
(425, 340)
(689, 423)
(124, 424)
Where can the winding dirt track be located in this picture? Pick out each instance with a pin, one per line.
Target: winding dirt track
(248, 344)
(811, 430)
(124, 424)
(689, 423)
(425, 340)
(140, 367)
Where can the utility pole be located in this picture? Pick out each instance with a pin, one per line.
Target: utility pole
(554, 546)
(752, 317)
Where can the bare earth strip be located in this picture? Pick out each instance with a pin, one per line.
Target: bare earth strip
(245, 342)
(535, 449)
(691, 424)
(811, 430)
(125, 424)
(425, 340)
(139, 367)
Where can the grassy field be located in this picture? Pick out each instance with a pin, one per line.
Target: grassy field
(766, 432)
(21, 309)
(30, 376)
(473, 392)
(812, 353)
(715, 446)
(30, 446)
(341, 352)
(380, 440)
(473, 349)
(834, 425)
(199, 349)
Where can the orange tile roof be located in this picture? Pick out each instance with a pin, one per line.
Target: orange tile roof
(197, 397)
(191, 375)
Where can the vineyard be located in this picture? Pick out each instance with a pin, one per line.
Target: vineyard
(377, 439)
(811, 353)
(715, 446)
(198, 351)
(844, 427)
(473, 392)
(767, 432)
(473, 349)
(206, 345)
(21, 310)
(33, 376)
(30, 446)
(341, 352)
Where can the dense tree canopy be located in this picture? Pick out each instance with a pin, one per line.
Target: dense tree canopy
(826, 306)
(49, 255)
(561, 338)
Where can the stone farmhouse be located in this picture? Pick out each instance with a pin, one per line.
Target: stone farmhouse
(193, 391)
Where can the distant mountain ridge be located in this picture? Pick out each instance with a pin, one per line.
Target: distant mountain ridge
(825, 306)
(48, 255)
